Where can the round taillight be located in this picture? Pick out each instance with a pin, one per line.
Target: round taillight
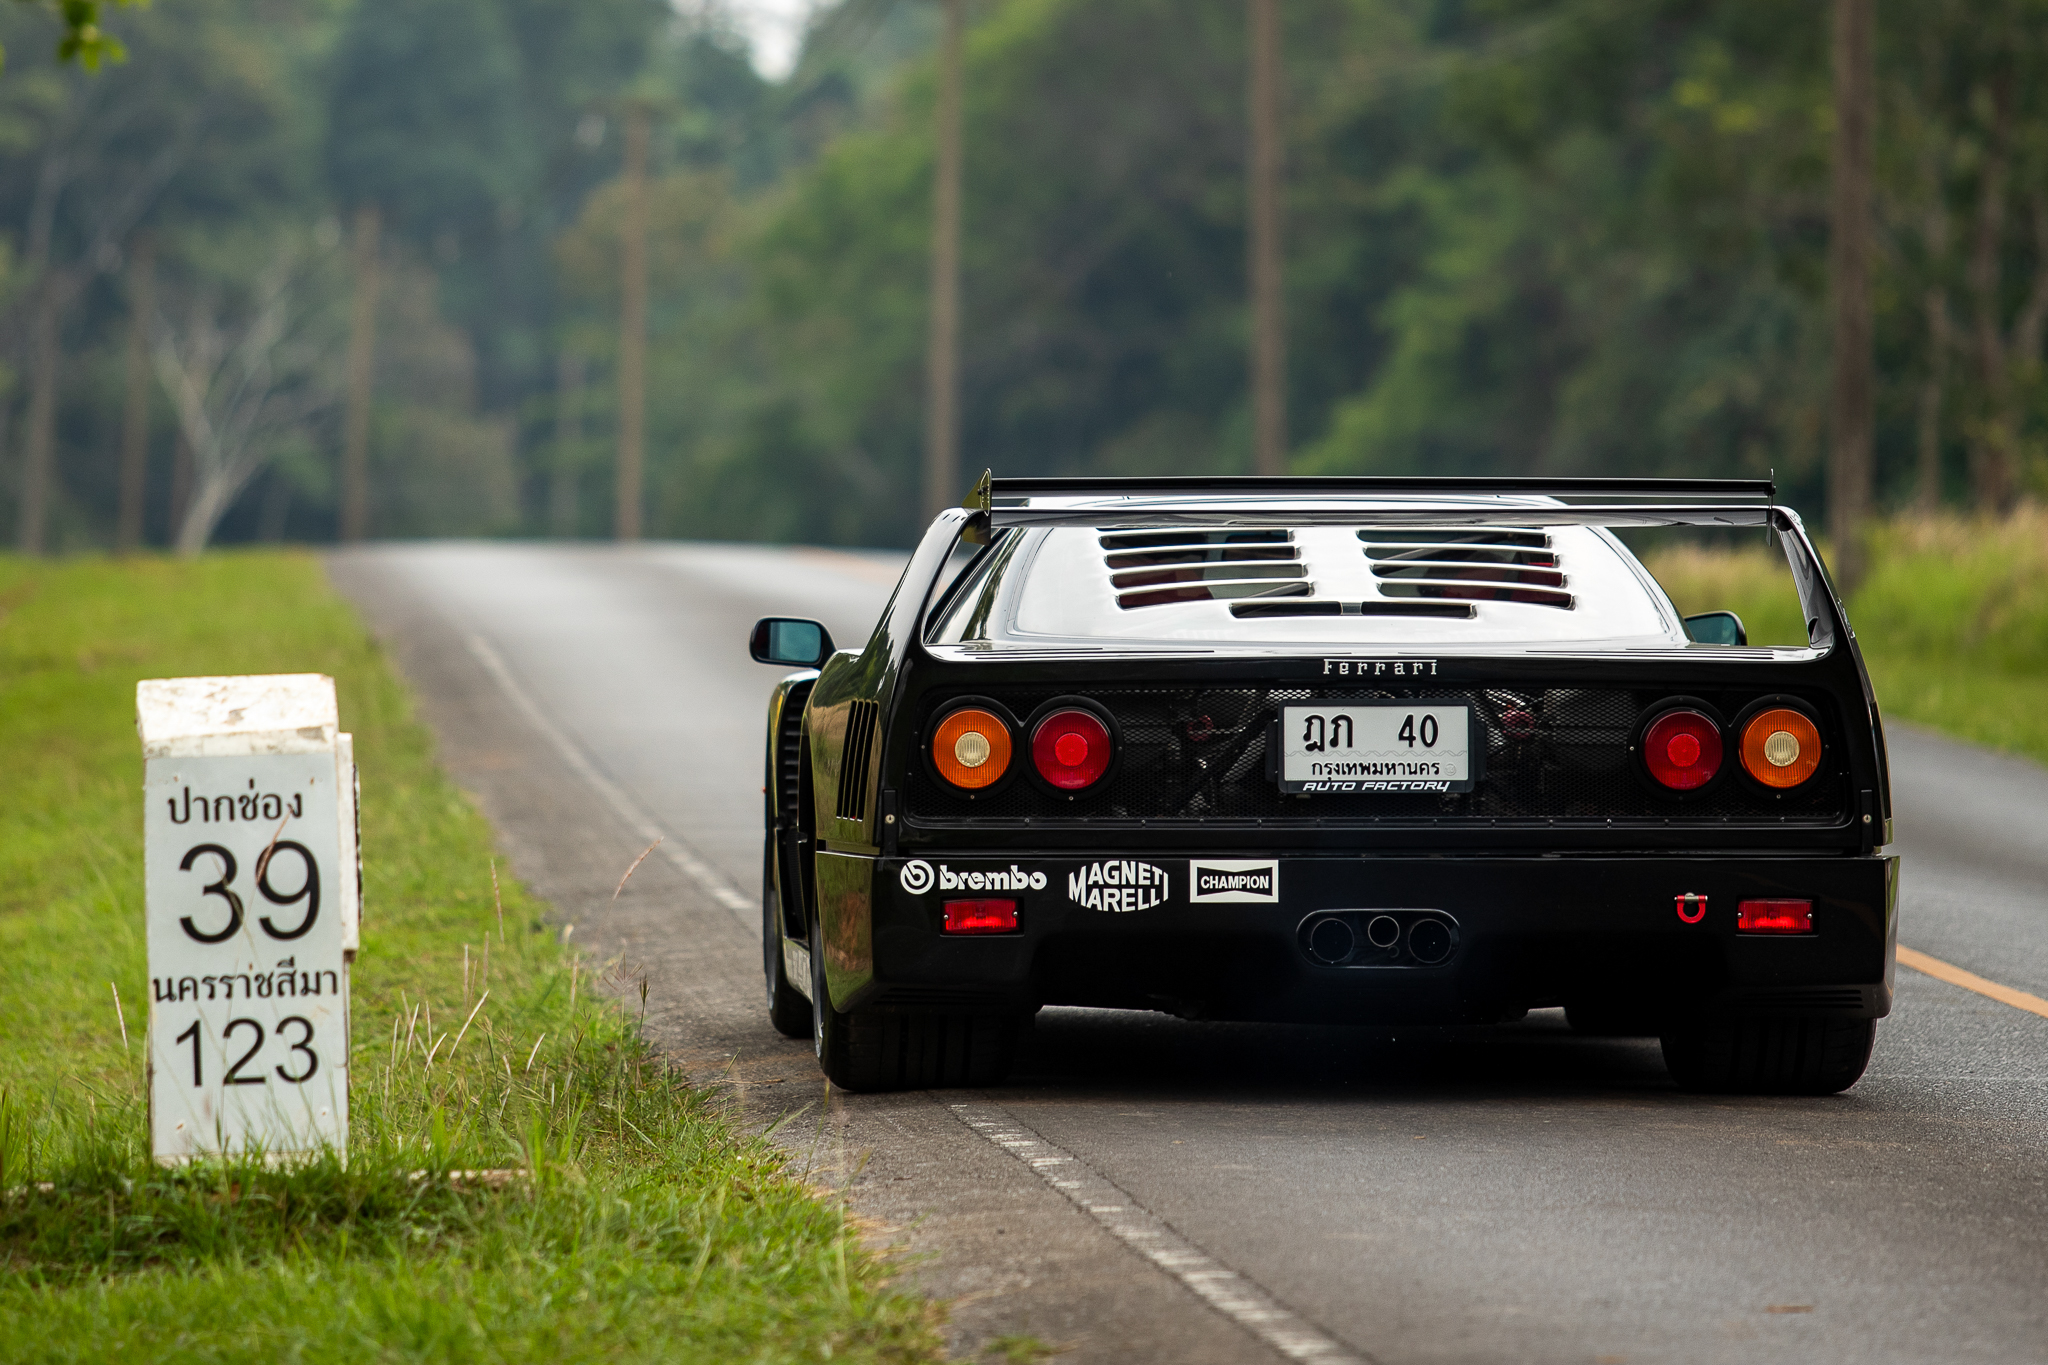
(1682, 750)
(1071, 749)
(1780, 747)
(971, 748)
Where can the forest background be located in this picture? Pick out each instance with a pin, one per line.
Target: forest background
(1522, 236)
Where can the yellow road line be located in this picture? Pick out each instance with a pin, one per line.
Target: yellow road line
(1970, 981)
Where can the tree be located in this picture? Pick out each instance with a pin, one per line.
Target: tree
(246, 363)
(942, 355)
(108, 155)
(1265, 249)
(630, 471)
(1849, 227)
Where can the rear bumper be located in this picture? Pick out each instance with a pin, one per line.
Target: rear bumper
(1525, 932)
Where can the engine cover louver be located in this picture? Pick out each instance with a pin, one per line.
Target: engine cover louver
(861, 718)
(1491, 564)
(1152, 568)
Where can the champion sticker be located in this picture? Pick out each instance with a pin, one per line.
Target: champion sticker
(1213, 880)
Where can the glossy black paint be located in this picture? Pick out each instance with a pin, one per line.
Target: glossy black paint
(1531, 932)
(1546, 909)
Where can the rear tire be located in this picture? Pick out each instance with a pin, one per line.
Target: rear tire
(874, 1050)
(1792, 1055)
(787, 1008)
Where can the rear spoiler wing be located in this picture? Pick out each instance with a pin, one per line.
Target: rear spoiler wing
(1257, 500)
(1237, 500)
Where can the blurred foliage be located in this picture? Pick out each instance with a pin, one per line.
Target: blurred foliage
(1524, 236)
(80, 38)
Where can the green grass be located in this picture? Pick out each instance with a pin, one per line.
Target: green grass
(1952, 619)
(647, 1227)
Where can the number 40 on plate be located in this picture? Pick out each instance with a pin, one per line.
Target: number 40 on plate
(252, 886)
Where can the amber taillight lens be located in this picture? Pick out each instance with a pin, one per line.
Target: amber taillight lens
(1780, 747)
(1682, 750)
(971, 748)
(1071, 749)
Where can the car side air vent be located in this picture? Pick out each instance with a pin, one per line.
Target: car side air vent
(1152, 568)
(1481, 564)
(789, 757)
(861, 718)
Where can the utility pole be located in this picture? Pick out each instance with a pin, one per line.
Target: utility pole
(1849, 455)
(942, 361)
(1265, 253)
(562, 517)
(362, 355)
(181, 481)
(633, 328)
(39, 452)
(135, 415)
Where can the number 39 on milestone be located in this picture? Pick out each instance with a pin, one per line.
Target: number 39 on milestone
(251, 881)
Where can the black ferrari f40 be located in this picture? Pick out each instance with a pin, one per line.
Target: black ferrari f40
(1349, 751)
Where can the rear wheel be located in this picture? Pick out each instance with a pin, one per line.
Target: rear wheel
(787, 1008)
(1791, 1055)
(869, 1050)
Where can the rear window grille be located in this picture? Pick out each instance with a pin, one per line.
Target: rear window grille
(853, 759)
(1481, 565)
(1152, 568)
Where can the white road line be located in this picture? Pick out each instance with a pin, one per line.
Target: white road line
(1144, 1232)
(714, 883)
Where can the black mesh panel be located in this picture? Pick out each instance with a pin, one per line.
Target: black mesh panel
(1558, 755)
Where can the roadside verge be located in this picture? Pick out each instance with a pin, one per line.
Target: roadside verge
(625, 1219)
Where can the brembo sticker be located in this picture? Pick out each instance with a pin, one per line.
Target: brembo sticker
(1231, 879)
(1118, 886)
(917, 877)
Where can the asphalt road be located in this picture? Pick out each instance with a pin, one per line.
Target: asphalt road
(1146, 1189)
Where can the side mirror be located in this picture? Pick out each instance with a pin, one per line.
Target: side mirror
(790, 641)
(1716, 628)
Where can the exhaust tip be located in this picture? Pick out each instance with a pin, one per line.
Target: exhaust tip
(1331, 941)
(1429, 941)
(1383, 932)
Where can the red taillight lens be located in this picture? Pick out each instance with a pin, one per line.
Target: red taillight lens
(1071, 749)
(1774, 917)
(1683, 750)
(981, 917)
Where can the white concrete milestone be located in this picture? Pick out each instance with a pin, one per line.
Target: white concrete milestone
(252, 884)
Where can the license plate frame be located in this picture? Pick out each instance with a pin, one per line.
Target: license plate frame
(1403, 765)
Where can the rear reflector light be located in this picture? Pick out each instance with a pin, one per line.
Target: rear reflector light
(1071, 749)
(1682, 750)
(1774, 917)
(971, 748)
(1780, 748)
(981, 917)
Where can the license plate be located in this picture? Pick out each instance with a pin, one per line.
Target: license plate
(1387, 747)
